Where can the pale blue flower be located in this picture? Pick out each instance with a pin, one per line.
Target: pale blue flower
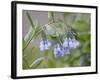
(49, 43)
(65, 44)
(73, 43)
(57, 50)
(66, 50)
(45, 45)
(60, 50)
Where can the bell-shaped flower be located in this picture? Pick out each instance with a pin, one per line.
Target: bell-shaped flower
(57, 50)
(60, 50)
(73, 43)
(65, 44)
(66, 50)
(45, 45)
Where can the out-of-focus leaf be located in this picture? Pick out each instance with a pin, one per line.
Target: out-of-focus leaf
(86, 47)
(50, 30)
(37, 62)
(30, 20)
(51, 63)
(85, 60)
(51, 16)
(63, 26)
(84, 37)
(64, 14)
(81, 25)
(25, 63)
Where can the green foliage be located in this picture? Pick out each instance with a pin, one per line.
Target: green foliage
(37, 62)
(30, 20)
(56, 30)
(51, 16)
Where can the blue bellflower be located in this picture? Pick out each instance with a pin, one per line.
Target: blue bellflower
(44, 45)
(60, 50)
(71, 43)
(57, 50)
(65, 44)
(66, 50)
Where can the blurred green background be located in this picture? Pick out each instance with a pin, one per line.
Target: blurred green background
(54, 24)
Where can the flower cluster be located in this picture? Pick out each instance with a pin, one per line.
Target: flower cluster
(44, 45)
(60, 50)
(71, 43)
(65, 49)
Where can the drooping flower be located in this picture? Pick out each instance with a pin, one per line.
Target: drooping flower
(73, 43)
(60, 50)
(45, 45)
(65, 44)
(66, 50)
(57, 50)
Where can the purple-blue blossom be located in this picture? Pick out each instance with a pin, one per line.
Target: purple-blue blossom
(45, 45)
(57, 50)
(66, 50)
(65, 44)
(71, 43)
(60, 50)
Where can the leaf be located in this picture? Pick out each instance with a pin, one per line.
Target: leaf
(50, 30)
(86, 47)
(24, 43)
(37, 32)
(51, 16)
(85, 37)
(35, 35)
(51, 63)
(64, 14)
(36, 63)
(81, 25)
(25, 63)
(29, 35)
(30, 20)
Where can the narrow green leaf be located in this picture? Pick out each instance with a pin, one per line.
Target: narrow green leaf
(37, 32)
(37, 62)
(24, 43)
(29, 35)
(30, 20)
(34, 36)
(51, 16)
